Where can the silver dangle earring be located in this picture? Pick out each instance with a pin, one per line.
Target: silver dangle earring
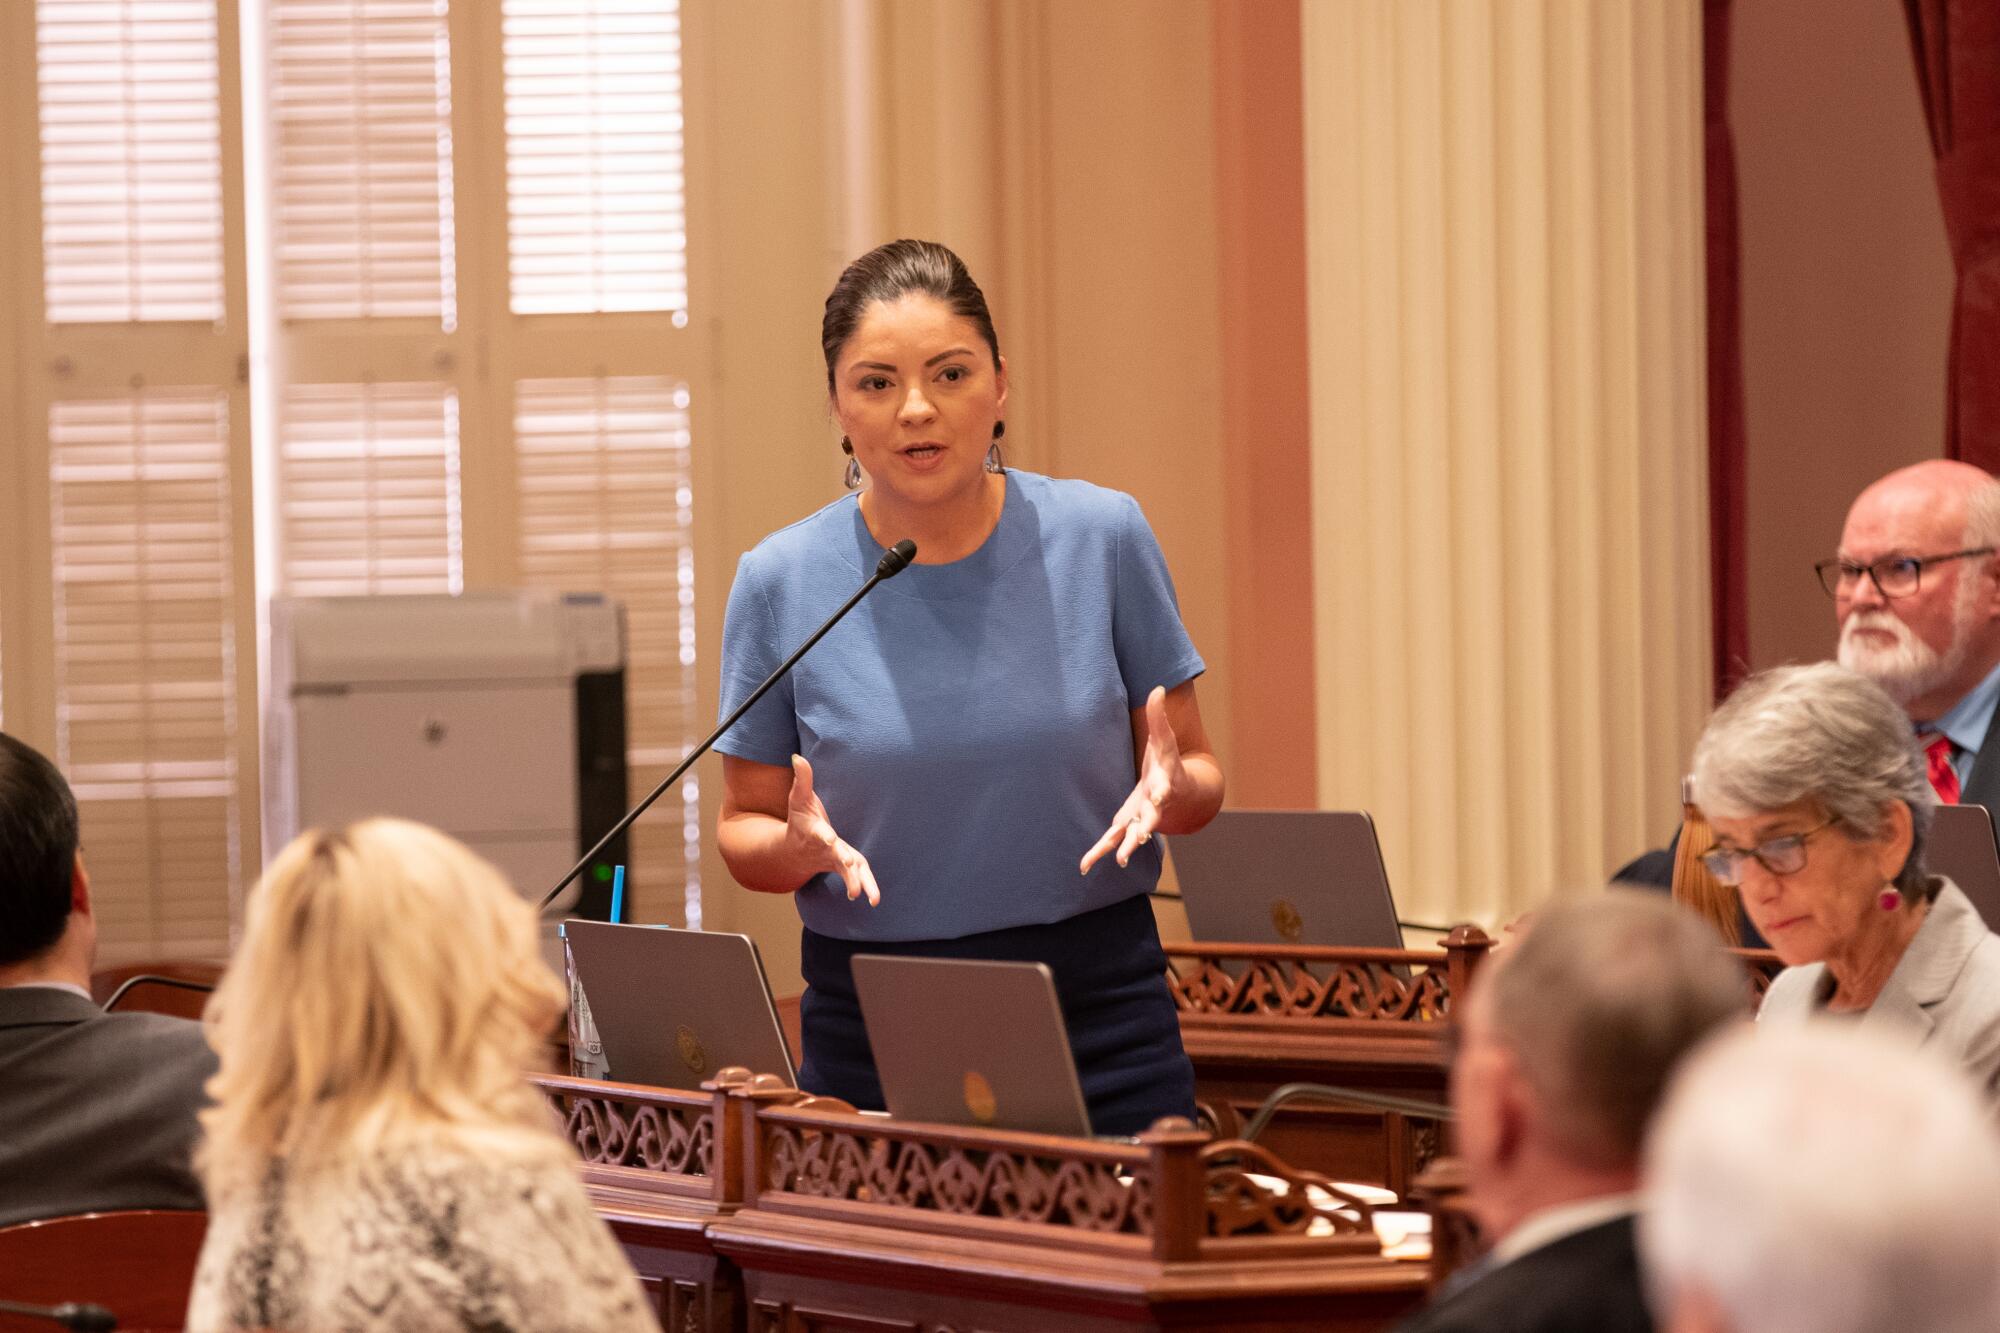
(995, 462)
(852, 476)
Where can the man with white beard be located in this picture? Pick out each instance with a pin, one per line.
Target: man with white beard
(1916, 586)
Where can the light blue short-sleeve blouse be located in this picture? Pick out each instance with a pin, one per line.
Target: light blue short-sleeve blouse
(969, 724)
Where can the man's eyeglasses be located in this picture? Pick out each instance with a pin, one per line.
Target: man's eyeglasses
(1894, 576)
(1780, 856)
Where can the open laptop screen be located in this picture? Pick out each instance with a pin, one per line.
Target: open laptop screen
(674, 1006)
(1287, 877)
(964, 1042)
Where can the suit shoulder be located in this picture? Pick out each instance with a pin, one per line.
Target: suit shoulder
(159, 1039)
(1584, 1283)
(1972, 1017)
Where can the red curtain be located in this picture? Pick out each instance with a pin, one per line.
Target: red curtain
(1957, 48)
(1726, 480)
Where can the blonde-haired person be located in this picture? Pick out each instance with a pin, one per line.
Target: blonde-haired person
(375, 1157)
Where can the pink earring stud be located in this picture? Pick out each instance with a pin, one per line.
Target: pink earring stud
(1889, 900)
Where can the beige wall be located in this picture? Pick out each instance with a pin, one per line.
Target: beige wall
(1846, 289)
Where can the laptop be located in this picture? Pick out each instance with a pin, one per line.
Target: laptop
(1287, 877)
(674, 1006)
(1962, 847)
(968, 1042)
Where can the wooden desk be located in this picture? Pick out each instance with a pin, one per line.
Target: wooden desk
(1257, 1016)
(751, 1205)
(651, 1167)
(859, 1223)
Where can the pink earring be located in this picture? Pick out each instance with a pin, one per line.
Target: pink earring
(1889, 900)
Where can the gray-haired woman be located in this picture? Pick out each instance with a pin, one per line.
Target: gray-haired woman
(1812, 781)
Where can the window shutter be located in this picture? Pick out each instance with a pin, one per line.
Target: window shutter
(146, 662)
(362, 150)
(365, 463)
(131, 179)
(606, 504)
(596, 172)
(368, 489)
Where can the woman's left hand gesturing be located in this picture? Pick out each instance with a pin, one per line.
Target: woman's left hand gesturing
(1162, 778)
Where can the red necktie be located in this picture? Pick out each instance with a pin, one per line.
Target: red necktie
(1944, 778)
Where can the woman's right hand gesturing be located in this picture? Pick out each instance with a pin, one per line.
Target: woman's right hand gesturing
(809, 830)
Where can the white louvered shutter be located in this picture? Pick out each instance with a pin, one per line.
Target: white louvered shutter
(477, 381)
(136, 352)
(368, 489)
(606, 504)
(597, 278)
(365, 466)
(131, 178)
(596, 166)
(361, 168)
(146, 662)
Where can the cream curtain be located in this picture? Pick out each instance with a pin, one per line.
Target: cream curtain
(1504, 232)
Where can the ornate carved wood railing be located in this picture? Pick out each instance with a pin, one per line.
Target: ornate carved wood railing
(754, 1204)
(1257, 1016)
(1176, 1193)
(1279, 988)
(660, 1165)
(851, 1218)
(666, 1134)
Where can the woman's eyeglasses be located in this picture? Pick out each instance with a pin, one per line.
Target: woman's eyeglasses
(1780, 856)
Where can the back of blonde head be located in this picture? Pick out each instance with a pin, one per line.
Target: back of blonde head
(388, 988)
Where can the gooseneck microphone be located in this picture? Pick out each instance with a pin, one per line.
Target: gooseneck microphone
(893, 562)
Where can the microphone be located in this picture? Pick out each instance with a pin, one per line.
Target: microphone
(893, 562)
(70, 1314)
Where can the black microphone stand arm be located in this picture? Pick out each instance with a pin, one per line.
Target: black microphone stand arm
(893, 562)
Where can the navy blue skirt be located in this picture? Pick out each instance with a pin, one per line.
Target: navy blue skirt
(1110, 977)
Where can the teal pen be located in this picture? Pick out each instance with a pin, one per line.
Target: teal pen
(617, 893)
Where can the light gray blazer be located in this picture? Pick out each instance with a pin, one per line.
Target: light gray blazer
(1946, 989)
(97, 1110)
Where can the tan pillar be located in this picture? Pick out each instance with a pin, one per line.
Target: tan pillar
(1504, 236)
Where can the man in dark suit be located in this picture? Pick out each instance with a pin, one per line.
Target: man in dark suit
(1916, 587)
(1566, 1045)
(97, 1110)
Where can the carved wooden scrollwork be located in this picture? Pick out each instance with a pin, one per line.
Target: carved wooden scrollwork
(961, 1182)
(1426, 1142)
(612, 1131)
(1214, 984)
(1239, 1204)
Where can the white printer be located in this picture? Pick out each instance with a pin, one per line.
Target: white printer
(498, 717)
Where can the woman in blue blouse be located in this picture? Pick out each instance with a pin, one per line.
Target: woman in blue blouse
(973, 764)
